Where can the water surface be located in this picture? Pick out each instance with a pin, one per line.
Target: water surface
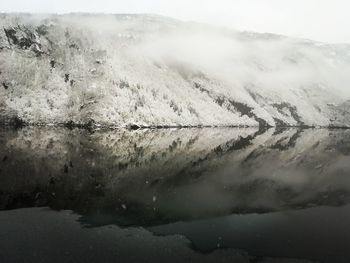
(242, 195)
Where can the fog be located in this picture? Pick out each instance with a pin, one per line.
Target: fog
(238, 58)
(325, 20)
(241, 59)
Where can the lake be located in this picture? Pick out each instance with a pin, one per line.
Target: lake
(175, 195)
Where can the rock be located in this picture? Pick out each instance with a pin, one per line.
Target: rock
(3, 40)
(25, 38)
(17, 122)
(5, 85)
(52, 63)
(134, 127)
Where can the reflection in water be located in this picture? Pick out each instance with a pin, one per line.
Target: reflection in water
(155, 178)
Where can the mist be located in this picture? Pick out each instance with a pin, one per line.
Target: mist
(325, 20)
(241, 59)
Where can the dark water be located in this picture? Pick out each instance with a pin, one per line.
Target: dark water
(190, 195)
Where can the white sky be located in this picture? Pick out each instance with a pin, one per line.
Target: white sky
(323, 20)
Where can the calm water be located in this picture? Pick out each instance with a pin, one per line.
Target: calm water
(189, 195)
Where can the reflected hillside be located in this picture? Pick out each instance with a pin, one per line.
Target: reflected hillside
(151, 177)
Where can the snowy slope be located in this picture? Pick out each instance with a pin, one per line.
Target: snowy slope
(146, 70)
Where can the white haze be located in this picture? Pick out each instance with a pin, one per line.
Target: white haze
(265, 62)
(325, 20)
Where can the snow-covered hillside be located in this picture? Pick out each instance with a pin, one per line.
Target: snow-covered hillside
(146, 70)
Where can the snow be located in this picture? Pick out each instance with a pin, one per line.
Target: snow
(144, 70)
